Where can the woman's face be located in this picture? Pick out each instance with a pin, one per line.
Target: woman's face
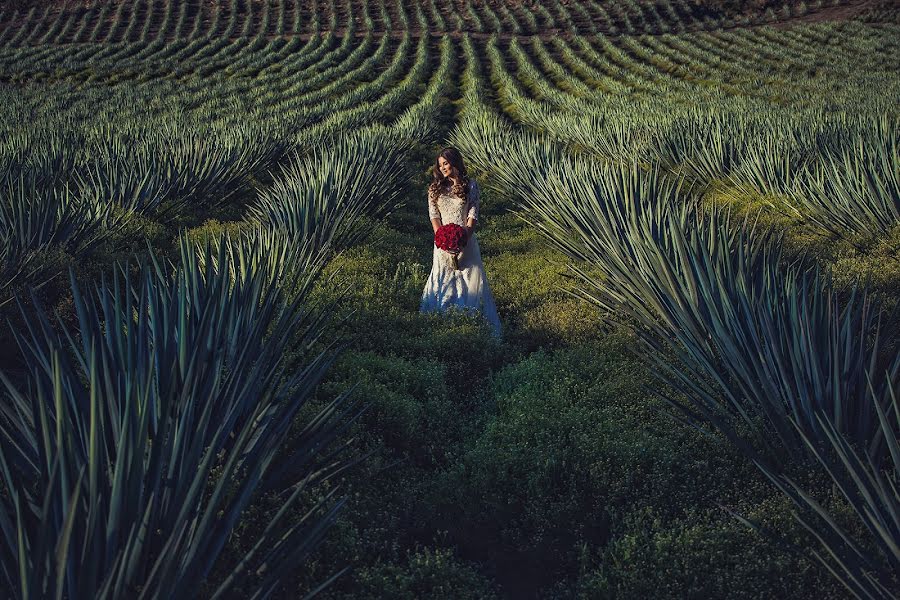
(444, 166)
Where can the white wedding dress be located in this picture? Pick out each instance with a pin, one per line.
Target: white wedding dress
(466, 288)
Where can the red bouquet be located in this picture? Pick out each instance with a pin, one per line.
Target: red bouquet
(451, 238)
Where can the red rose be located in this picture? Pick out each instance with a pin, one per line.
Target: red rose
(450, 237)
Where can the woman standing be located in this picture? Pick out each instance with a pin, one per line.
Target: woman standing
(454, 198)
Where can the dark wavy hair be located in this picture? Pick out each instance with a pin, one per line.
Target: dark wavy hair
(457, 168)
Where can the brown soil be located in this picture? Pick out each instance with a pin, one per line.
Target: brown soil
(832, 13)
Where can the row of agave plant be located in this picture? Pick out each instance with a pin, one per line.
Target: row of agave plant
(768, 353)
(840, 173)
(136, 435)
(842, 176)
(52, 195)
(69, 187)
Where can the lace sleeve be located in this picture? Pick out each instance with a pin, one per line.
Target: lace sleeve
(433, 210)
(474, 200)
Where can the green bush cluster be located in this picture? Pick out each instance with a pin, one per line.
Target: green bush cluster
(407, 399)
(705, 555)
(424, 573)
(578, 458)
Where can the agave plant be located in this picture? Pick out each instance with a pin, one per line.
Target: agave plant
(616, 140)
(856, 192)
(482, 138)
(867, 568)
(136, 438)
(138, 182)
(704, 149)
(165, 176)
(214, 170)
(321, 196)
(43, 168)
(748, 343)
(772, 166)
(34, 215)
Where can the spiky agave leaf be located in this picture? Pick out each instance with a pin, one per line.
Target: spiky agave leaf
(483, 139)
(704, 148)
(164, 176)
(35, 215)
(137, 181)
(321, 196)
(772, 165)
(856, 192)
(867, 568)
(139, 436)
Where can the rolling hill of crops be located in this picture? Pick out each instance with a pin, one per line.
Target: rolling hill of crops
(214, 378)
(75, 21)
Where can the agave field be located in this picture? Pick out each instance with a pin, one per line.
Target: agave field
(214, 378)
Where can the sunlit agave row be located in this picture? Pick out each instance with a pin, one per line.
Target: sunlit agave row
(529, 98)
(115, 477)
(603, 72)
(761, 49)
(310, 85)
(420, 121)
(158, 21)
(294, 92)
(838, 169)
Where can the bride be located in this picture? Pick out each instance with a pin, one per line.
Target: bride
(454, 198)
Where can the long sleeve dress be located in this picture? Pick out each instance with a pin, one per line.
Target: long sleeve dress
(466, 288)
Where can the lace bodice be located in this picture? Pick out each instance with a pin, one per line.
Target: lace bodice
(450, 208)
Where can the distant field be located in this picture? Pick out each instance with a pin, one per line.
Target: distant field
(145, 20)
(214, 238)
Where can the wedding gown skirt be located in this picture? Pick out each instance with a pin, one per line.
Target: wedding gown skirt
(466, 288)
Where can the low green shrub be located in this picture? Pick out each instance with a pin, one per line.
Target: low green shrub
(426, 573)
(212, 229)
(409, 409)
(708, 554)
(577, 450)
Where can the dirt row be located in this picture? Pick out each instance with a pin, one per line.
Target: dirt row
(827, 14)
